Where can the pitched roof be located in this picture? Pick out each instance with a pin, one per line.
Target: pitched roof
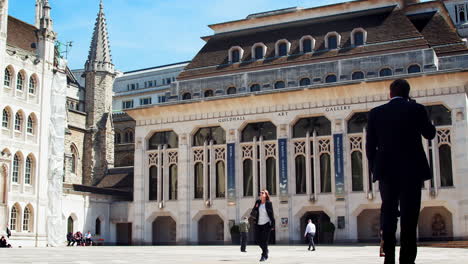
(21, 34)
(388, 30)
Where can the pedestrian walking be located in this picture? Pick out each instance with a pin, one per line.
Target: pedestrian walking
(310, 233)
(263, 213)
(398, 161)
(244, 227)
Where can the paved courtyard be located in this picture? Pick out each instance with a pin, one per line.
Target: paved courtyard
(219, 254)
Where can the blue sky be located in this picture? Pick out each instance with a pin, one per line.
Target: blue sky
(147, 33)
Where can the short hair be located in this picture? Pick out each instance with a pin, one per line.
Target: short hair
(400, 87)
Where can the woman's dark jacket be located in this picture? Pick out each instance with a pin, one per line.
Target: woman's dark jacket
(269, 208)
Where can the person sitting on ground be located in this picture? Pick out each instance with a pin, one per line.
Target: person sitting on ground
(79, 238)
(89, 239)
(4, 243)
(71, 240)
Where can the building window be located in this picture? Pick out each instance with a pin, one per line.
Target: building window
(117, 137)
(208, 93)
(306, 44)
(6, 118)
(330, 78)
(255, 88)
(282, 48)
(235, 54)
(460, 13)
(127, 104)
(198, 180)
(445, 164)
(259, 51)
(385, 72)
(168, 138)
(359, 75)
(414, 69)
(30, 125)
(220, 180)
(300, 166)
(161, 99)
(304, 82)
(132, 86)
(216, 135)
(173, 182)
(231, 90)
(74, 159)
(248, 177)
(16, 169)
(319, 124)
(7, 78)
(264, 130)
(29, 171)
(145, 101)
(357, 171)
(18, 121)
(332, 40)
(26, 219)
(280, 85)
(358, 37)
(32, 85)
(153, 183)
(128, 136)
(14, 217)
(168, 80)
(271, 175)
(70, 225)
(186, 96)
(325, 173)
(19, 81)
(150, 83)
(97, 228)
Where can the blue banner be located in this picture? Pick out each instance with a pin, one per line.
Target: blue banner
(283, 167)
(339, 168)
(231, 172)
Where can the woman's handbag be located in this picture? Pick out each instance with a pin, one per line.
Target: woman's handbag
(253, 215)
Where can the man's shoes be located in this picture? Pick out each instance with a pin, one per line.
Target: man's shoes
(244, 251)
(313, 249)
(262, 259)
(308, 249)
(266, 257)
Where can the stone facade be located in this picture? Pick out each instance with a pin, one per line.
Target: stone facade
(201, 160)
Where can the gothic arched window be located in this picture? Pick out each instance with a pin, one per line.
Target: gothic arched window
(168, 138)
(266, 130)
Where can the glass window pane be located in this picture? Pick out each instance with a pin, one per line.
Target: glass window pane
(271, 175)
(325, 173)
(414, 69)
(332, 42)
(300, 175)
(358, 75)
(220, 180)
(440, 115)
(231, 90)
(280, 85)
(445, 162)
(320, 124)
(198, 180)
(357, 122)
(258, 53)
(263, 129)
(306, 45)
(304, 82)
(283, 49)
(168, 138)
(356, 171)
(173, 182)
(153, 181)
(235, 56)
(312, 179)
(98, 226)
(217, 134)
(248, 177)
(358, 39)
(385, 72)
(255, 88)
(331, 78)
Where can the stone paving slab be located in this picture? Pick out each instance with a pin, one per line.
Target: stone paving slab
(219, 254)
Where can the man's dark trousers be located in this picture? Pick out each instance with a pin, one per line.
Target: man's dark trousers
(310, 237)
(243, 240)
(406, 195)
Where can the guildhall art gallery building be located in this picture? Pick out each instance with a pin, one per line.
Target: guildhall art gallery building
(279, 100)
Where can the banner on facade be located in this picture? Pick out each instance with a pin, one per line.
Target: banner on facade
(231, 173)
(283, 168)
(339, 170)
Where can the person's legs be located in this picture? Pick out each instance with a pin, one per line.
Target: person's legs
(267, 239)
(389, 193)
(243, 237)
(410, 204)
(311, 241)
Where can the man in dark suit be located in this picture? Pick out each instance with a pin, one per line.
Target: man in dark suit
(398, 161)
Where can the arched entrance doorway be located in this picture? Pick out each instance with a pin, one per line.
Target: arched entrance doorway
(322, 223)
(435, 223)
(71, 224)
(210, 230)
(368, 222)
(164, 230)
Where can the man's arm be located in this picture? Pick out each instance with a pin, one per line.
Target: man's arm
(427, 128)
(371, 140)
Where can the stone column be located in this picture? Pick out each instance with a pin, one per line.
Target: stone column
(184, 183)
(139, 189)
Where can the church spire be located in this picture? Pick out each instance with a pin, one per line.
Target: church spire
(99, 58)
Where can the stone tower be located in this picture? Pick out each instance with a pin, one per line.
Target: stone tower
(99, 79)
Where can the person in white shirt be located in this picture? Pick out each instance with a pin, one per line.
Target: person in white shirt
(89, 239)
(310, 233)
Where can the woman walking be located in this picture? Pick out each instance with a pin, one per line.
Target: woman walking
(263, 212)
